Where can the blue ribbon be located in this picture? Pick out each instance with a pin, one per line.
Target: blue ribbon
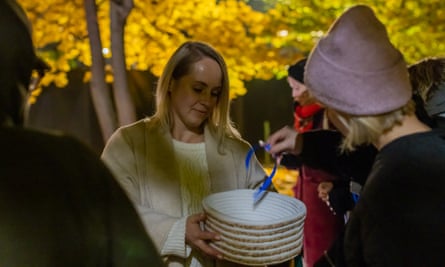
(355, 197)
(268, 180)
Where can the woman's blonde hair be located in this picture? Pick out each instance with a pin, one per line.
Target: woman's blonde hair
(178, 66)
(368, 129)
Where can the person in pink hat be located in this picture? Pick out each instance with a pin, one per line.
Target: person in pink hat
(362, 79)
(363, 82)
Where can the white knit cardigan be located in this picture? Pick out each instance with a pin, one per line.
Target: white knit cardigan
(142, 159)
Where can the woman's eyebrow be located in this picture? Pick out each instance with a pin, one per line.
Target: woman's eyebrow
(207, 85)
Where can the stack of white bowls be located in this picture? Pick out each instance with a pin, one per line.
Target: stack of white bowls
(255, 234)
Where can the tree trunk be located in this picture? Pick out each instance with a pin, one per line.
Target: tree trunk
(126, 111)
(100, 92)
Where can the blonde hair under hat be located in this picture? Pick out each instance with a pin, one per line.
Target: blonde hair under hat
(355, 69)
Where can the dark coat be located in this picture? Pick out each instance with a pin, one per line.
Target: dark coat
(60, 206)
(400, 217)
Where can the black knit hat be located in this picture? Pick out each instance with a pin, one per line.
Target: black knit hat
(296, 71)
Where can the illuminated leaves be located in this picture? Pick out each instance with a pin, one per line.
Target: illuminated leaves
(255, 44)
(416, 27)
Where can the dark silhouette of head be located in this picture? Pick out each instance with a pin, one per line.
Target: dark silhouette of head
(17, 60)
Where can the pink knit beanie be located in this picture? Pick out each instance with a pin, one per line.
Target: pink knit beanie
(355, 69)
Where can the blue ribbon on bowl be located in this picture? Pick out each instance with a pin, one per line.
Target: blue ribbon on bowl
(258, 194)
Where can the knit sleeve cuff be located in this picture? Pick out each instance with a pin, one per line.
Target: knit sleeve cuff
(175, 243)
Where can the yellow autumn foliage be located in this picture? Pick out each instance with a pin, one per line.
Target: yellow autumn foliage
(416, 27)
(256, 44)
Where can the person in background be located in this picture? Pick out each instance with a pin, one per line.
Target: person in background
(427, 78)
(322, 223)
(168, 163)
(367, 95)
(59, 204)
(308, 114)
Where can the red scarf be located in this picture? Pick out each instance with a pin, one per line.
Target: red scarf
(303, 117)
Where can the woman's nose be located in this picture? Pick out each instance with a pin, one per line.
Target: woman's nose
(295, 92)
(205, 96)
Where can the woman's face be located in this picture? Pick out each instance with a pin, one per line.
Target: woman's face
(195, 95)
(299, 90)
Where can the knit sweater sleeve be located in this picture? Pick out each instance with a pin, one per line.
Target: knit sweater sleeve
(119, 156)
(175, 242)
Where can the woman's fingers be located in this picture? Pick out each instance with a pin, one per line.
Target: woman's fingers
(323, 190)
(208, 250)
(282, 141)
(199, 238)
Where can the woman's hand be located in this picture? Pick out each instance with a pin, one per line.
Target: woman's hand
(284, 141)
(199, 239)
(324, 188)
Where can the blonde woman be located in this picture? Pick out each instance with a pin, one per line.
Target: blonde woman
(187, 150)
(399, 218)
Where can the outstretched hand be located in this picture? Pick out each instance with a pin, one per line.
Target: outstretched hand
(283, 141)
(199, 239)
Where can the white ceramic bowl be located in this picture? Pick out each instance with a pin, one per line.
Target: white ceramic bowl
(236, 208)
(256, 235)
(268, 232)
(259, 247)
(262, 258)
